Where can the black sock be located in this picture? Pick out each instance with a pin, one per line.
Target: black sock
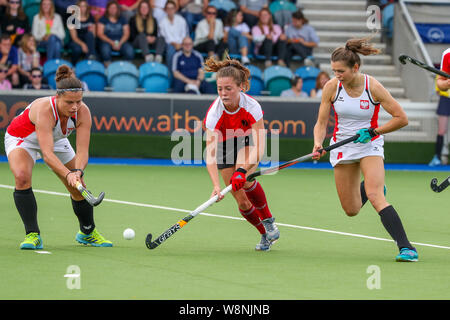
(439, 145)
(392, 223)
(27, 207)
(363, 194)
(85, 214)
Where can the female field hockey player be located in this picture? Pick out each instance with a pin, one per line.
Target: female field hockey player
(235, 144)
(41, 130)
(356, 99)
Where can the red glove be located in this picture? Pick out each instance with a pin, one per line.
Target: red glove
(238, 179)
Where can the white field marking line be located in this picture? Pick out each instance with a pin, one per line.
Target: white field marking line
(137, 204)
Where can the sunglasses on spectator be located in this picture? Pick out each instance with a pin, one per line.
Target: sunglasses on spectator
(36, 76)
(211, 12)
(4, 70)
(14, 2)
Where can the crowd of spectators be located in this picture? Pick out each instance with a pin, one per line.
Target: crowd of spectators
(178, 33)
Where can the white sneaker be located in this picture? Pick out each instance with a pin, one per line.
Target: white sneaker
(159, 58)
(149, 58)
(264, 244)
(272, 232)
(308, 62)
(245, 60)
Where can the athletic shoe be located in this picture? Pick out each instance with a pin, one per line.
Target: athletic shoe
(435, 161)
(245, 60)
(32, 241)
(271, 229)
(407, 255)
(94, 239)
(264, 244)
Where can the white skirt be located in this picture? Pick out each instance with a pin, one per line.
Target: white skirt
(354, 152)
(62, 148)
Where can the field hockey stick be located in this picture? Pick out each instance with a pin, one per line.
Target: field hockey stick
(93, 201)
(404, 58)
(181, 223)
(270, 170)
(438, 188)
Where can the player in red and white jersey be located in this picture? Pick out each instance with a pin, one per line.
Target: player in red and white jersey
(41, 130)
(235, 145)
(356, 99)
(443, 109)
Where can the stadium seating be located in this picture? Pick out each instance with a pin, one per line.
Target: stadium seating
(277, 79)
(93, 73)
(154, 77)
(256, 80)
(388, 19)
(309, 75)
(225, 5)
(31, 8)
(282, 11)
(122, 76)
(49, 70)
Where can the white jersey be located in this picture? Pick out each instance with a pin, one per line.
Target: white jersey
(21, 133)
(352, 114)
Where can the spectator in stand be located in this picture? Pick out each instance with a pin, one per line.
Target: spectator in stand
(301, 38)
(113, 33)
(159, 9)
(296, 89)
(28, 59)
(4, 82)
(83, 37)
(237, 35)
(128, 8)
(3, 5)
(15, 22)
(209, 34)
(187, 70)
(321, 79)
(36, 81)
(144, 33)
(9, 58)
(61, 8)
(192, 10)
(174, 29)
(251, 10)
(48, 30)
(98, 8)
(269, 38)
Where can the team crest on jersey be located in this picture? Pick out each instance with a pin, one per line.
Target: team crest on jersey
(244, 123)
(364, 104)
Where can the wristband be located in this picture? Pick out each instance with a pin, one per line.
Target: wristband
(373, 133)
(75, 170)
(241, 170)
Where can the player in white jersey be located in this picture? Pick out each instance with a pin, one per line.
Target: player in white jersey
(356, 99)
(41, 130)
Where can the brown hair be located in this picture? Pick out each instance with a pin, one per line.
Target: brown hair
(24, 42)
(229, 68)
(318, 80)
(52, 10)
(109, 4)
(65, 79)
(353, 47)
(150, 22)
(270, 24)
(300, 16)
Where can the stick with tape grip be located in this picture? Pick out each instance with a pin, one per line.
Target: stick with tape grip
(181, 223)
